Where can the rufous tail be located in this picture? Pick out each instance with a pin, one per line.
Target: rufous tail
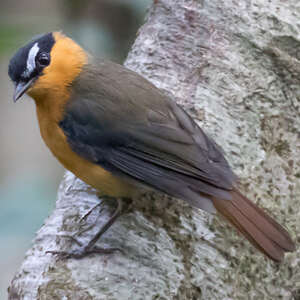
(259, 228)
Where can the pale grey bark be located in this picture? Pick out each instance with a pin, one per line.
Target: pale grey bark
(235, 67)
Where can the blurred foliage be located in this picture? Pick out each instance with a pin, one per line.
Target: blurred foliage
(10, 37)
(37, 203)
(107, 25)
(28, 178)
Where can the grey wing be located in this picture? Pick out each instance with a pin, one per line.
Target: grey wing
(167, 151)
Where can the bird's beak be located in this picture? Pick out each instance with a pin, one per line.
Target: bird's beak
(21, 88)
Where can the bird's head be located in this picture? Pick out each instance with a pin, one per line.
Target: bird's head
(48, 63)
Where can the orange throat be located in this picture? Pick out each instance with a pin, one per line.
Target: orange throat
(67, 61)
(51, 93)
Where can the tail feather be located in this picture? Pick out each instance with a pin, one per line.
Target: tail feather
(258, 227)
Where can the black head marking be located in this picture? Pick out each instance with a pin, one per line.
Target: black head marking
(30, 60)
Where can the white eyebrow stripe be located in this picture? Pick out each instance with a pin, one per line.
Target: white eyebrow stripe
(31, 60)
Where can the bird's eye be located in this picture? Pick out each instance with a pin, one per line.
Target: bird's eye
(43, 59)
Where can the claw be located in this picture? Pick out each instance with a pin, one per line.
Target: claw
(90, 248)
(60, 254)
(72, 238)
(78, 254)
(90, 211)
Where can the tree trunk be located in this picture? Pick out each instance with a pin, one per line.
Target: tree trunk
(235, 67)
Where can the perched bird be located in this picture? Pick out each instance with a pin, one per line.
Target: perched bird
(120, 134)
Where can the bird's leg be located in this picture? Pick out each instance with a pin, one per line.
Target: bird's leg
(91, 210)
(83, 218)
(90, 248)
(107, 225)
(74, 236)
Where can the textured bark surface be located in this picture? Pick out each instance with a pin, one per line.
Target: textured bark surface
(235, 67)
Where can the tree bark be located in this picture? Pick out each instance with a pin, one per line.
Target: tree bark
(235, 67)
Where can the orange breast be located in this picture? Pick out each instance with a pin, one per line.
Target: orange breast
(87, 171)
(51, 93)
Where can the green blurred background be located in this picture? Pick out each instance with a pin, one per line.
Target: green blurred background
(29, 175)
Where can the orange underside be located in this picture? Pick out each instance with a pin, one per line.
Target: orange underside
(51, 94)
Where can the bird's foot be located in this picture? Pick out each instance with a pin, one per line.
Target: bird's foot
(90, 248)
(83, 252)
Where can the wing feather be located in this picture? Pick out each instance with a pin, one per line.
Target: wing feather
(149, 140)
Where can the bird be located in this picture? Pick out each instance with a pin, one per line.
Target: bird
(122, 135)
